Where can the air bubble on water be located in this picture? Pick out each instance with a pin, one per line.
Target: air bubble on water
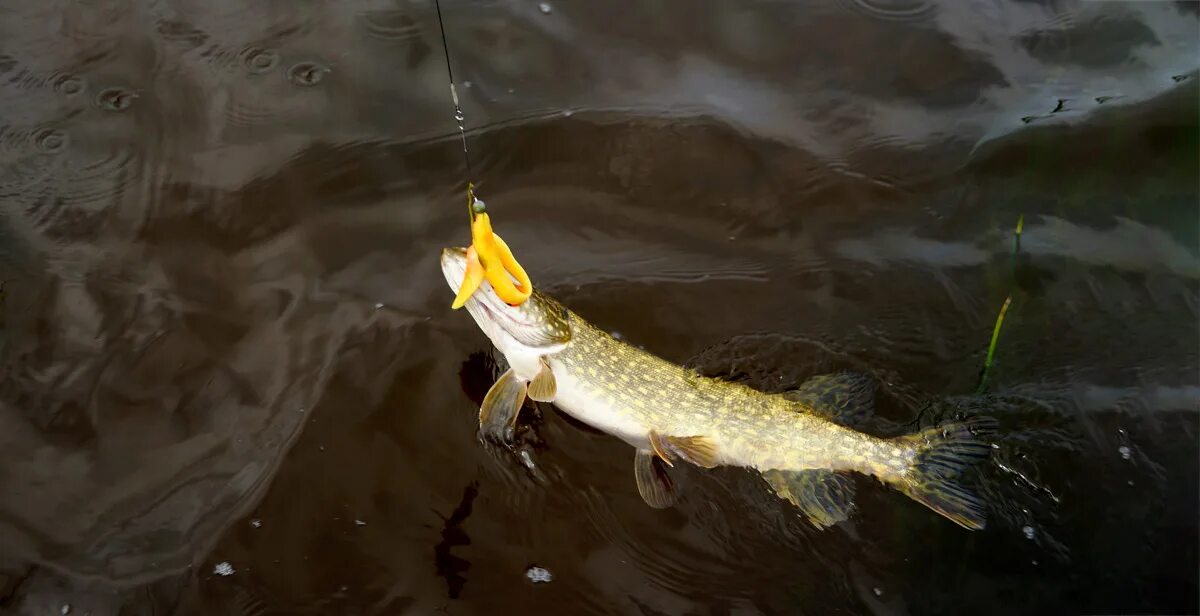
(1130, 482)
(878, 591)
(568, 113)
(527, 459)
(256, 523)
(307, 73)
(223, 568)
(115, 99)
(50, 141)
(1125, 452)
(1034, 563)
(538, 575)
(68, 85)
(378, 305)
(618, 335)
(1029, 532)
(300, 410)
(545, 7)
(359, 523)
(65, 609)
(260, 60)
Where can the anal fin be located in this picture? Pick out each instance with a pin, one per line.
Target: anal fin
(824, 496)
(653, 482)
(543, 387)
(846, 398)
(699, 450)
(498, 413)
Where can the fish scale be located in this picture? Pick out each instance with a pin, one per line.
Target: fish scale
(751, 427)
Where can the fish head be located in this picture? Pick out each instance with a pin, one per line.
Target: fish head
(540, 325)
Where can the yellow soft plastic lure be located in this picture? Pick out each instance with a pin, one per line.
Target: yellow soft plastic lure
(489, 257)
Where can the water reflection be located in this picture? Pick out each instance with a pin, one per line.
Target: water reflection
(221, 301)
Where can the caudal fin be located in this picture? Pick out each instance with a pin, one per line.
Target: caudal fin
(942, 454)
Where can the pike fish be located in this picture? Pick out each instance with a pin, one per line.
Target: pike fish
(802, 442)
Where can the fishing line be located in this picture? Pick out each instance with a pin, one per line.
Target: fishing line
(458, 114)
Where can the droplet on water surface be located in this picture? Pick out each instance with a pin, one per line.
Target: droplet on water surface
(1029, 532)
(359, 523)
(68, 85)
(545, 7)
(878, 591)
(223, 568)
(50, 140)
(115, 99)
(1125, 452)
(307, 73)
(65, 609)
(538, 575)
(259, 60)
(256, 523)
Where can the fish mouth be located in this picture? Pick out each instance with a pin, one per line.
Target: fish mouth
(454, 266)
(527, 326)
(484, 304)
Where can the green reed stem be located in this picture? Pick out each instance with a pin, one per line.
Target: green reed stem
(987, 363)
(991, 353)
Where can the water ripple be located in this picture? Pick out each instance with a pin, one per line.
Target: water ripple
(893, 10)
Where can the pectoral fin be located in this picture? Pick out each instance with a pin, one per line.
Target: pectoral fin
(543, 387)
(699, 450)
(825, 497)
(653, 482)
(846, 398)
(501, 405)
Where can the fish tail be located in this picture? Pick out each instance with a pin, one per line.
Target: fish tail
(941, 455)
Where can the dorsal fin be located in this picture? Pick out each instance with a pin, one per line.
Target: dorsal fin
(846, 397)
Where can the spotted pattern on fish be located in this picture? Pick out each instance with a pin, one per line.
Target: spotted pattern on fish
(750, 428)
(800, 443)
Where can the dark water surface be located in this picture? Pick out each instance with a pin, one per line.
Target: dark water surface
(228, 349)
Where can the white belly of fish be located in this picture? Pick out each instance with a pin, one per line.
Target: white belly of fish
(596, 411)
